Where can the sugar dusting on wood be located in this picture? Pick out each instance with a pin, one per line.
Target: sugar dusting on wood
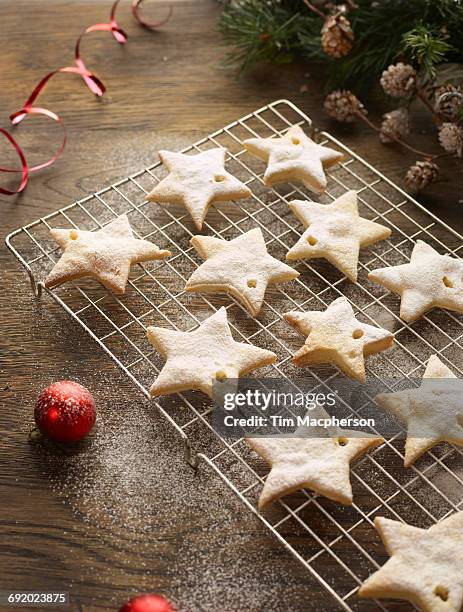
(131, 485)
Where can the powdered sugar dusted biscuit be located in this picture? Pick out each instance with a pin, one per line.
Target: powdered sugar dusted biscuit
(195, 359)
(433, 412)
(196, 181)
(335, 232)
(294, 156)
(241, 266)
(430, 280)
(336, 336)
(105, 255)
(320, 461)
(425, 567)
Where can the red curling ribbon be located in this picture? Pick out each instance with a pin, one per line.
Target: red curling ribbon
(91, 80)
(136, 4)
(36, 110)
(112, 27)
(24, 170)
(18, 116)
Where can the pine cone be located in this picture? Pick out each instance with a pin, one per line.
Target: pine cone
(421, 174)
(451, 138)
(337, 36)
(448, 100)
(343, 106)
(395, 126)
(398, 80)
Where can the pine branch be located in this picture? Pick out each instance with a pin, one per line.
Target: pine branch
(426, 48)
(260, 31)
(424, 32)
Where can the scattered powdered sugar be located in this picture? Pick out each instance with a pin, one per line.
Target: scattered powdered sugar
(163, 526)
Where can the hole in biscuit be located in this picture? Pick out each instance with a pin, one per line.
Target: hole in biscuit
(312, 240)
(357, 333)
(218, 178)
(73, 235)
(295, 140)
(221, 375)
(343, 441)
(252, 283)
(447, 282)
(441, 592)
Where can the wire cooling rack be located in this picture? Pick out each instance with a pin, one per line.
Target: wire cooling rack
(337, 544)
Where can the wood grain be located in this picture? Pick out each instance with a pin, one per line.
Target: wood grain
(88, 523)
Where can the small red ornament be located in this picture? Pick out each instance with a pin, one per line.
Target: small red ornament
(65, 411)
(148, 603)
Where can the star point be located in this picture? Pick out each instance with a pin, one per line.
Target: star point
(195, 359)
(432, 412)
(196, 182)
(105, 255)
(424, 566)
(318, 461)
(336, 336)
(335, 232)
(241, 267)
(294, 156)
(429, 280)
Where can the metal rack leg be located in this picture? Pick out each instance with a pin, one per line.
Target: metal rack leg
(191, 456)
(36, 286)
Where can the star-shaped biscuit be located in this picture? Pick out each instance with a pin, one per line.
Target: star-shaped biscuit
(336, 232)
(294, 156)
(196, 181)
(433, 412)
(105, 255)
(195, 359)
(430, 280)
(241, 266)
(335, 336)
(317, 460)
(425, 567)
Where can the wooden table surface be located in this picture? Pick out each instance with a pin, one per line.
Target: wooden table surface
(128, 515)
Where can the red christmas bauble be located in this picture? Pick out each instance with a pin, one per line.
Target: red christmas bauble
(65, 411)
(148, 603)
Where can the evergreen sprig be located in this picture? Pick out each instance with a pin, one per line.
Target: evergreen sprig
(261, 31)
(426, 48)
(424, 32)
